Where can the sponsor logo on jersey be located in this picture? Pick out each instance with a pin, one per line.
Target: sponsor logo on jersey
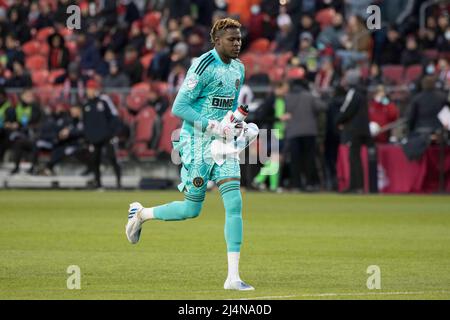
(222, 102)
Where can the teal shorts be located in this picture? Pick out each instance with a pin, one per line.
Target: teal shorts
(195, 176)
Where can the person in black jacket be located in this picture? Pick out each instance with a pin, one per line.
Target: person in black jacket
(101, 124)
(353, 119)
(24, 120)
(69, 139)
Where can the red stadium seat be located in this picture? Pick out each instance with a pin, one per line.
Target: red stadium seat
(73, 49)
(135, 102)
(325, 17)
(54, 74)
(34, 47)
(145, 121)
(431, 54)
(36, 62)
(152, 20)
(260, 45)
(44, 94)
(268, 60)
(413, 73)
(43, 33)
(170, 123)
(40, 77)
(283, 59)
(393, 74)
(65, 32)
(276, 74)
(146, 60)
(295, 73)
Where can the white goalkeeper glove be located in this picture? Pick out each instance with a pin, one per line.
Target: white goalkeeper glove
(224, 129)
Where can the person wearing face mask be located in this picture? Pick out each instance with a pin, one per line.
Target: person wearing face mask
(382, 111)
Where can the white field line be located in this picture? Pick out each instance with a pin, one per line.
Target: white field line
(318, 295)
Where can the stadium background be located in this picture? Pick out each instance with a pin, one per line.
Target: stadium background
(140, 50)
(296, 245)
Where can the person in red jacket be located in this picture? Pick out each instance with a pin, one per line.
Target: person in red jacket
(382, 111)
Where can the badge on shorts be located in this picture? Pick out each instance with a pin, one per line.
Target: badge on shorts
(198, 182)
(238, 82)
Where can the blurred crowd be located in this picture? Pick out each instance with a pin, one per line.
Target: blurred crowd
(297, 55)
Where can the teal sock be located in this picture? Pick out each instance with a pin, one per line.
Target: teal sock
(180, 210)
(232, 201)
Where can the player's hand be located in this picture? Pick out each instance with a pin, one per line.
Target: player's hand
(234, 129)
(225, 130)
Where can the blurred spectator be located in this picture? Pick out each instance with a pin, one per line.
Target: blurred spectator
(18, 24)
(332, 138)
(116, 78)
(425, 106)
(382, 111)
(357, 43)
(159, 68)
(5, 130)
(101, 125)
(45, 18)
(375, 77)
(443, 71)
(20, 77)
(13, 51)
(24, 121)
(285, 37)
(427, 36)
(69, 140)
(354, 120)
(307, 24)
(392, 48)
(332, 35)
(132, 66)
(136, 38)
(176, 78)
(89, 54)
(73, 84)
(157, 100)
(326, 79)
(272, 115)
(443, 41)
(180, 55)
(61, 15)
(58, 56)
(307, 54)
(412, 54)
(301, 131)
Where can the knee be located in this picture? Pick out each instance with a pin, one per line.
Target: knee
(192, 209)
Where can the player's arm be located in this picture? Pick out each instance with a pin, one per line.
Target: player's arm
(188, 95)
(238, 91)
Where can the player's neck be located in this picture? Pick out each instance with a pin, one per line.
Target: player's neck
(226, 60)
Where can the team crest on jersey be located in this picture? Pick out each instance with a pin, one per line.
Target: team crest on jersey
(100, 107)
(198, 182)
(237, 83)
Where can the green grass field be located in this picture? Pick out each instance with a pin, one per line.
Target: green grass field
(295, 247)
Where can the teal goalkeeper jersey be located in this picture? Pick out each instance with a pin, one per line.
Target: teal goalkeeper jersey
(210, 89)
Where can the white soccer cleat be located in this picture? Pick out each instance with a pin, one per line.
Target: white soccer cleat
(237, 285)
(134, 224)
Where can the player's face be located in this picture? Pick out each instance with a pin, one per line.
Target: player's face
(230, 43)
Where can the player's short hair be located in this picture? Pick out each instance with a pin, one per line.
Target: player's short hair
(223, 24)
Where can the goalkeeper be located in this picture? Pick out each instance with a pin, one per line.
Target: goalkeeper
(206, 102)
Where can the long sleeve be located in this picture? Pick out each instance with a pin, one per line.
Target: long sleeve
(191, 89)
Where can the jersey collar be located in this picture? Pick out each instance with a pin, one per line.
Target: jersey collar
(216, 55)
